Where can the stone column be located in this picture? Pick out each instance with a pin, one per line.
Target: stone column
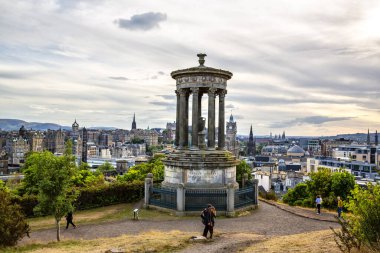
(195, 119)
(200, 105)
(187, 119)
(180, 200)
(211, 119)
(176, 141)
(148, 186)
(221, 131)
(182, 119)
(230, 200)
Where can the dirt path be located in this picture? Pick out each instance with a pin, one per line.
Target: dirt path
(266, 221)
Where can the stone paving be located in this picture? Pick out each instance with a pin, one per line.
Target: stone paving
(267, 220)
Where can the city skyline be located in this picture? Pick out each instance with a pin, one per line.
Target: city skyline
(309, 68)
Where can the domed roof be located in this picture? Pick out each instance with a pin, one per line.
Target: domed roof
(295, 150)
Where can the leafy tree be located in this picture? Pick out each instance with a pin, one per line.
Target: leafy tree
(53, 178)
(364, 204)
(86, 178)
(140, 171)
(320, 183)
(137, 140)
(298, 193)
(13, 225)
(342, 183)
(241, 169)
(106, 168)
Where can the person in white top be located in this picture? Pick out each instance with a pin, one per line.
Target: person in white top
(318, 202)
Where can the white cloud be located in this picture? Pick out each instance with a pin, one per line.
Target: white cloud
(291, 60)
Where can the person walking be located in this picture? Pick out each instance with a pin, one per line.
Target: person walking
(340, 206)
(208, 219)
(318, 202)
(69, 219)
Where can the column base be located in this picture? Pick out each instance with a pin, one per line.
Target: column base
(194, 148)
(211, 148)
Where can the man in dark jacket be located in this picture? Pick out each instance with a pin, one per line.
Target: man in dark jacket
(208, 219)
(69, 219)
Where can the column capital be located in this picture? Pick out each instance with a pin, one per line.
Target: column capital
(182, 92)
(194, 90)
(222, 93)
(212, 91)
(176, 92)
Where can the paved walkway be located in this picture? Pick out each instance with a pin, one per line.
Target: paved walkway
(303, 212)
(267, 220)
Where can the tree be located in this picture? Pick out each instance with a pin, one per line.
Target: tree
(320, 183)
(140, 171)
(86, 178)
(13, 225)
(53, 182)
(106, 168)
(241, 169)
(342, 183)
(364, 204)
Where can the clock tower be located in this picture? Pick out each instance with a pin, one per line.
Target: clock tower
(232, 144)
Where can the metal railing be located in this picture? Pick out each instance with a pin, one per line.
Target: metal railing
(197, 199)
(245, 197)
(163, 197)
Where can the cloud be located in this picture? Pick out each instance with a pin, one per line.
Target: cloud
(161, 73)
(144, 22)
(312, 120)
(121, 78)
(230, 106)
(167, 97)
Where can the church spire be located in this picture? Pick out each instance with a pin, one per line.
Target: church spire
(251, 147)
(376, 139)
(134, 121)
(368, 138)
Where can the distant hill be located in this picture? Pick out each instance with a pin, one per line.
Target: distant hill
(15, 124)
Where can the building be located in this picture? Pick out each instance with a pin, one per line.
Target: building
(134, 122)
(16, 148)
(314, 146)
(251, 146)
(360, 153)
(357, 168)
(232, 144)
(36, 141)
(327, 146)
(55, 141)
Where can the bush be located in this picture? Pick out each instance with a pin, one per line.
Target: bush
(91, 197)
(270, 195)
(297, 194)
(26, 203)
(13, 225)
(119, 192)
(364, 205)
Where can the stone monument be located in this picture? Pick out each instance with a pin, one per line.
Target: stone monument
(200, 171)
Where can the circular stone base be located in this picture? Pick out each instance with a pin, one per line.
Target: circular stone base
(200, 169)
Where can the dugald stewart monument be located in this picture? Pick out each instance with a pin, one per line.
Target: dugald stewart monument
(200, 171)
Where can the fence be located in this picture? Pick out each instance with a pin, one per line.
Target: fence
(245, 197)
(197, 199)
(163, 197)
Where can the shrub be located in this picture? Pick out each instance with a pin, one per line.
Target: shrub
(119, 192)
(26, 203)
(13, 225)
(270, 195)
(364, 205)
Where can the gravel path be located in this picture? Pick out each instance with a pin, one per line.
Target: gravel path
(267, 220)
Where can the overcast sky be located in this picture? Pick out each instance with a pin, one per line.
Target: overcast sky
(306, 67)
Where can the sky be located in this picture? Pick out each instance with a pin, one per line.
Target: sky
(304, 67)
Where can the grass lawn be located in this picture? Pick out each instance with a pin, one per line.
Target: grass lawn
(102, 214)
(153, 241)
(313, 242)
